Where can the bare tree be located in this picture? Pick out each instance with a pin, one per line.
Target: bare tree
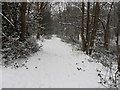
(96, 13)
(117, 37)
(23, 19)
(88, 27)
(106, 30)
(82, 28)
(7, 17)
(40, 9)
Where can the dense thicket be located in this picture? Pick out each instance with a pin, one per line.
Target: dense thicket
(93, 26)
(21, 23)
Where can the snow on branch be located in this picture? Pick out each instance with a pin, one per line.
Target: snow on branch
(7, 19)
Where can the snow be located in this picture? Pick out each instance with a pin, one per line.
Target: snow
(0, 77)
(55, 66)
(119, 83)
(0, 73)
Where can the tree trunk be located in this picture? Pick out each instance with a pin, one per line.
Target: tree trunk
(82, 28)
(106, 30)
(23, 20)
(88, 27)
(96, 13)
(6, 7)
(40, 9)
(117, 49)
(117, 35)
(7, 16)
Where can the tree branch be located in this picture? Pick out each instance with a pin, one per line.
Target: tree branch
(7, 19)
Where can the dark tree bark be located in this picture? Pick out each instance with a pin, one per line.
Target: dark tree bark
(7, 14)
(106, 30)
(6, 7)
(117, 35)
(88, 27)
(96, 13)
(23, 19)
(40, 9)
(82, 28)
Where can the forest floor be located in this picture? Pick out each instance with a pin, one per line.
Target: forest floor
(57, 65)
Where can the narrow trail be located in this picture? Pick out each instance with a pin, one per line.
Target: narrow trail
(57, 65)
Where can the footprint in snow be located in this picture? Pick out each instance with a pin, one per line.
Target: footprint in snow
(25, 61)
(76, 63)
(82, 61)
(80, 69)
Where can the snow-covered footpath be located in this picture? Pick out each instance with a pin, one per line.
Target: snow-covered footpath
(57, 65)
(0, 77)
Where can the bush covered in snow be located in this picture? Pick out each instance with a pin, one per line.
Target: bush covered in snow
(17, 49)
(17, 39)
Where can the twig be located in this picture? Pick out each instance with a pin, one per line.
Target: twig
(7, 19)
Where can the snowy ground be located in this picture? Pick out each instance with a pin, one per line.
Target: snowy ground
(57, 65)
(0, 73)
(0, 77)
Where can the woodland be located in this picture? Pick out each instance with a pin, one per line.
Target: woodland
(93, 28)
